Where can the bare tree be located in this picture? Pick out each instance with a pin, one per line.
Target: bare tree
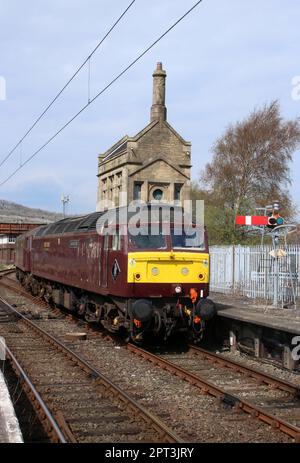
(250, 164)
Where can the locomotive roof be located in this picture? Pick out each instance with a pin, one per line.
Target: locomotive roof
(70, 224)
(87, 223)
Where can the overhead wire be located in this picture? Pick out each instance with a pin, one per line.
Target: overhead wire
(87, 60)
(115, 79)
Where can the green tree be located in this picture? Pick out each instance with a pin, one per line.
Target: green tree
(250, 168)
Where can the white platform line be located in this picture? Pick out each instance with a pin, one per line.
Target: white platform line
(8, 416)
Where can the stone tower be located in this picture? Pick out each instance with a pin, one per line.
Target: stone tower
(158, 108)
(154, 165)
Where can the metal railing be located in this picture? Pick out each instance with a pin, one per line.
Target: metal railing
(251, 271)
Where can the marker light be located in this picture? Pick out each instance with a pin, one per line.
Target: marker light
(272, 221)
(279, 221)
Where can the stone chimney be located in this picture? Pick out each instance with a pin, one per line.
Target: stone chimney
(158, 108)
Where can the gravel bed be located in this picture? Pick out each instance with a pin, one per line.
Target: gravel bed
(263, 366)
(93, 414)
(193, 416)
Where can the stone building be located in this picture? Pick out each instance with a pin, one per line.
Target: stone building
(154, 165)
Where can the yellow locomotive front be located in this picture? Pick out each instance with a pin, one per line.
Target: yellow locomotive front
(168, 277)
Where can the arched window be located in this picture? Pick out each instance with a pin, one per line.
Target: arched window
(158, 194)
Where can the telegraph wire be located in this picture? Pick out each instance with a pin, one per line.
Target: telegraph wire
(67, 84)
(101, 92)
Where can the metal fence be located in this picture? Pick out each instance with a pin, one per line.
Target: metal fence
(251, 271)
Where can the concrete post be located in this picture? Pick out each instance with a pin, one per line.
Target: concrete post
(232, 340)
(288, 361)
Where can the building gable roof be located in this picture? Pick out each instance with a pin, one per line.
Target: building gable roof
(120, 147)
(156, 159)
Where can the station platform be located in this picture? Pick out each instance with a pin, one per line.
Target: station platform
(252, 312)
(9, 425)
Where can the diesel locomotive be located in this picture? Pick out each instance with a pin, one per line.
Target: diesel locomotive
(128, 278)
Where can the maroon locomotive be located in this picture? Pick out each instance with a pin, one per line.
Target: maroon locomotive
(130, 282)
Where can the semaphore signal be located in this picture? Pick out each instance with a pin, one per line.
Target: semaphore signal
(260, 220)
(281, 273)
(271, 220)
(251, 220)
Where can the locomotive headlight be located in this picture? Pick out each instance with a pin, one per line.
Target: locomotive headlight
(185, 271)
(154, 271)
(178, 289)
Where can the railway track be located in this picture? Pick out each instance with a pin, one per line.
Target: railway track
(75, 401)
(15, 287)
(264, 397)
(5, 272)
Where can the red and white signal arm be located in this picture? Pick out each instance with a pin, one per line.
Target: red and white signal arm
(251, 220)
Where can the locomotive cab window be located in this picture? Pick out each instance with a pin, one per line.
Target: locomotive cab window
(193, 238)
(144, 240)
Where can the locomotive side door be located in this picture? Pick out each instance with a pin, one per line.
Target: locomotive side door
(104, 260)
(27, 252)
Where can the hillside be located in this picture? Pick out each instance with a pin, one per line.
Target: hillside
(12, 212)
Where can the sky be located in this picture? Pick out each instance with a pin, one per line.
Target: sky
(222, 61)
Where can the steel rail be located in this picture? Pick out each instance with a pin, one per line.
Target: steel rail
(216, 391)
(52, 428)
(266, 378)
(23, 292)
(209, 388)
(132, 405)
(3, 273)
